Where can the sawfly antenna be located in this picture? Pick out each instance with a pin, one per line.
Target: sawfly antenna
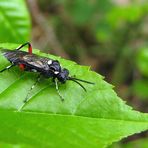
(76, 80)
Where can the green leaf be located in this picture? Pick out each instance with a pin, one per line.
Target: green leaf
(95, 118)
(15, 22)
(6, 145)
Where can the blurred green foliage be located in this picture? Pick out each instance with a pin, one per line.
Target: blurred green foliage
(142, 61)
(15, 25)
(141, 143)
(140, 86)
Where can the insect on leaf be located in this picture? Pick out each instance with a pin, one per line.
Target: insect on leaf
(95, 118)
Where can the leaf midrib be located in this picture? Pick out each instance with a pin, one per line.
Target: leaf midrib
(73, 116)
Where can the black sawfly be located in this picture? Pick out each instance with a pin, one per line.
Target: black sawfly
(46, 67)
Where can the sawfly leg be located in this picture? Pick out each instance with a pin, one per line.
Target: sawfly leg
(57, 89)
(7, 68)
(32, 87)
(35, 83)
(22, 66)
(29, 47)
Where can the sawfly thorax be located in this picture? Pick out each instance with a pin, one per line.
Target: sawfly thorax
(57, 71)
(53, 68)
